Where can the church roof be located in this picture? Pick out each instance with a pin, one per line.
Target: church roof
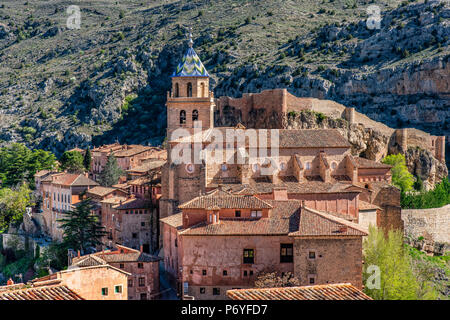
(190, 66)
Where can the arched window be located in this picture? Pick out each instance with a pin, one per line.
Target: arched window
(189, 89)
(177, 90)
(182, 117)
(195, 115)
(203, 89)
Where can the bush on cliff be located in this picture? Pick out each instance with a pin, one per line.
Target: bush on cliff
(436, 198)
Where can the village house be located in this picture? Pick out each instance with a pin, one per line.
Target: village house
(222, 241)
(60, 192)
(143, 269)
(95, 282)
(128, 156)
(129, 221)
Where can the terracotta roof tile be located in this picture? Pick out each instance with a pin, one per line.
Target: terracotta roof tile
(368, 164)
(225, 200)
(101, 191)
(134, 204)
(174, 220)
(148, 166)
(50, 292)
(341, 291)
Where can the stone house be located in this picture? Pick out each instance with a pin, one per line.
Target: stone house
(94, 282)
(143, 269)
(222, 241)
(60, 192)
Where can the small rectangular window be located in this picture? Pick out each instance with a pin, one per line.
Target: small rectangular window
(225, 272)
(216, 291)
(104, 291)
(118, 289)
(134, 235)
(122, 266)
(140, 265)
(245, 273)
(202, 290)
(238, 213)
(311, 280)
(142, 282)
(249, 257)
(286, 252)
(204, 272)
(312, 255)
(142, 224)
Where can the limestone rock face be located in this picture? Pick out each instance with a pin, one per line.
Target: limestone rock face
(423, 164)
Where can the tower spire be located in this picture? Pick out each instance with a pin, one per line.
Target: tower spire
(191, 42)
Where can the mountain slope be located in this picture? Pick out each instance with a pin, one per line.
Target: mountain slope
(62, 88)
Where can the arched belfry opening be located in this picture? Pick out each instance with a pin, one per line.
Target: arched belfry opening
(195, 115)
(182, 117)
(177, 90)
(189, 89)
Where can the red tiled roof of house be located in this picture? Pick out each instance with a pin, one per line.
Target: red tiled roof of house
(131, 150)
(318, 223)
(72, 179)
(287, 218)
(341, 291)
(45, 292)
(114, 256)
(368, 164)
(225, 200)
(174, 220)
(363, 205)
(148, 166)
(134, 203)
(101, 191)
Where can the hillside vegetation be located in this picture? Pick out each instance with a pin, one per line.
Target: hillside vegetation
(108, 80)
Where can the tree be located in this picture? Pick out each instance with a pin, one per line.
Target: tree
(87, 161)
(111, 172)
(19, 164)
(72, 161)
(13, 203)
(81, 227)
(396, 277)
(400, 174)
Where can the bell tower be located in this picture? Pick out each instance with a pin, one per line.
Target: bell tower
(190, 104)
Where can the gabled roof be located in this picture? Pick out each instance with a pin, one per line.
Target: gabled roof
(340, 291)
(190, 66)
(148, 166)
(174, 220)
(225, 200)
(318, 223)
(46, 292)
(136, 203)
(101, 191)
(72, 179)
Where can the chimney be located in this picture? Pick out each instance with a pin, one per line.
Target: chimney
(10, 282)
(142, 248)
(280, 193)
(78, 254)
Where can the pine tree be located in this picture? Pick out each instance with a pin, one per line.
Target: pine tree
(111, 172)
(81, 227)
(87, 161)
(72, 161)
